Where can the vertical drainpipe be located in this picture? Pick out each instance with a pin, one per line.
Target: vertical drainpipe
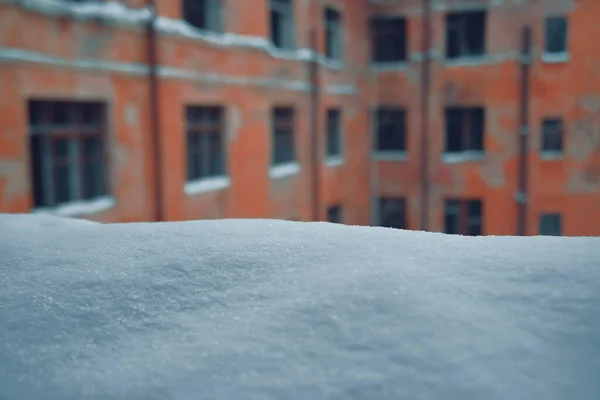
(525, 62)
(425, 89)
(152, 54)
(315, 155)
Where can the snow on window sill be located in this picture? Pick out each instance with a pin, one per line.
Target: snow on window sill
(389, 65)
(283, 170)
(463, 156)
(207, 184)
(79, 208)
(551, 154)
(334, 161)
(391, 155)
(466, 61)
(555, 58)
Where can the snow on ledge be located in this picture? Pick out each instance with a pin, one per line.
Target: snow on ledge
(283, 170)
(555, 58)
(79, 208)
(389, 66)
(391, 155)
(207, 185)
(118, 12)
(551, 155)
(463, 156)
(113, 11)
(334, 161)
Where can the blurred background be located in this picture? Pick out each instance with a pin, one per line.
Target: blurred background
(474, 117)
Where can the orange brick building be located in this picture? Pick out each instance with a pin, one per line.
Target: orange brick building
(422, 114)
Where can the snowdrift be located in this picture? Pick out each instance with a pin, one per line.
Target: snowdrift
(262, 309)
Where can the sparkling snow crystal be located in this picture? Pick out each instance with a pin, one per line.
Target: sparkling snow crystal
(246, 309)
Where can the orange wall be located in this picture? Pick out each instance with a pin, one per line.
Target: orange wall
(198, 72)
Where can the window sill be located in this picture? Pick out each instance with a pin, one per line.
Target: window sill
(79, 208)
(389, 66)
(556, 58)
(466, 61)
(463, 156)
(283, 170)
(334, 161)
(550, 155)
(399, 155)
(207, 184)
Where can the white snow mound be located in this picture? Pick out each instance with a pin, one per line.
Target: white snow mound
(263, 309)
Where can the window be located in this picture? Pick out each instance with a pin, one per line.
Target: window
(465, 34)
(67, 151)
(464, 129)
(283, 150)
(205, 142)
(390, 132)
(392, 213)
(388, 39)
(464, 217)
(204, 14)
(334, 214)
(552, 135)
(333, 34)
(556, 35)
(282, 23)
(334, 148)
(550, 225)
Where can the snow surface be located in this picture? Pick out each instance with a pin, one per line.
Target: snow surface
(263, 309)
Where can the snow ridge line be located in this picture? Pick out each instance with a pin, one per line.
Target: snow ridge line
(118, 13)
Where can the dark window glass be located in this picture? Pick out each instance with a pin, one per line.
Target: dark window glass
(556, 35)
(205, 142)
(465, 34)
(464, 129)
(551, 224)
(463, 217)
(334, 147)
(552, 135)
(283, 150)
(392, 213)
(388, 39)
(391, 130)
(66, 151)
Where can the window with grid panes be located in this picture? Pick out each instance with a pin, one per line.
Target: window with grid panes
(388, 39)
(282, 23)
(67, 141)
(465, 34)
(205, 142)
(552, 135)
(390, 130)
(464, 129)
(204, 14)
(283, 149)
(392, 212)
(556, 35)
(463, 217)
(334, 43)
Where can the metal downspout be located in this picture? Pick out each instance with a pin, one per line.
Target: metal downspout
(425, 89)
(152, 54)
(521, 197)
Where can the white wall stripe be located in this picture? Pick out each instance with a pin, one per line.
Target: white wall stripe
(14, 55)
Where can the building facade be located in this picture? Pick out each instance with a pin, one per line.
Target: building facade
(471, 117)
